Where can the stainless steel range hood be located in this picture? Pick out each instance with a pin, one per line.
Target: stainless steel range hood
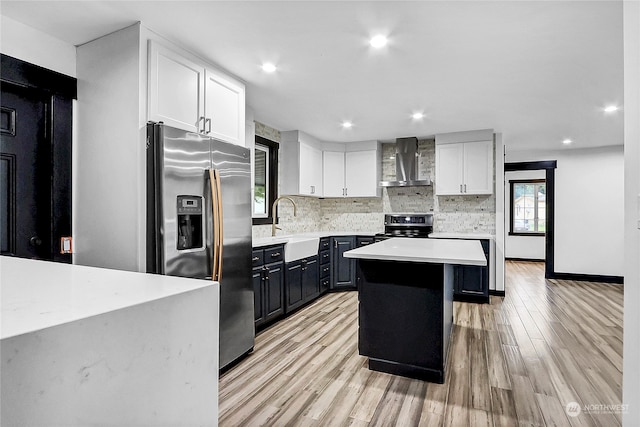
(406, 165)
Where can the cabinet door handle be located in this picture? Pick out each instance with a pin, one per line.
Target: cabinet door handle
(201, 119)
(465, 188)
(313, 189)
(207, 122)
(461, 188)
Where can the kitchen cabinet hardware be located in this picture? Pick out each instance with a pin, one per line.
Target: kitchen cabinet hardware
(275, 254)
(207, 123)
(203, 120)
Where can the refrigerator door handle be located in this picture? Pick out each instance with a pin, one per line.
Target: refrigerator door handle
(216, 215)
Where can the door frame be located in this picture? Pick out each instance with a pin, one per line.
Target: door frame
(60, 90)
(549, 166)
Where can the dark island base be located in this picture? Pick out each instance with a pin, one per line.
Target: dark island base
(405, 317)
(409, 371)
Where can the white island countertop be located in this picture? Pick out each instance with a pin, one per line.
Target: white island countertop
(447, 235)
(41, 294)
(440, 251)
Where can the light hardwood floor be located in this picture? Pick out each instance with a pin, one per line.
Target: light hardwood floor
(517, 361)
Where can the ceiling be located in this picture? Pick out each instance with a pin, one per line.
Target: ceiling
(538, 72)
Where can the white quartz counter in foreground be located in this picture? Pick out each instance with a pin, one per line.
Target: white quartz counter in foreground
(40, 294)
(441, 251)
(91, 346)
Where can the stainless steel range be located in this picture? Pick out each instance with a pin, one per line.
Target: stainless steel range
(407, 225)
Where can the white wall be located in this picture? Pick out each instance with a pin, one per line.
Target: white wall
(525, 247)
(30, 45)
(589, 208)
(109, 159)
(631, 355)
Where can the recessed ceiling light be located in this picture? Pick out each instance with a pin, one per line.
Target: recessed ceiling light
(417, 116)
(567, 141)
(347, 125)
(378, 41)
(610, 108)
(268, 67)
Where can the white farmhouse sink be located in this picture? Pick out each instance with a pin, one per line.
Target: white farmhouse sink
(300, 247)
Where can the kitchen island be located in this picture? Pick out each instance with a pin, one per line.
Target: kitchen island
(92, 346)
(405, 292)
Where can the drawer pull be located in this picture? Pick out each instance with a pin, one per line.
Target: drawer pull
(256, 258)
(275, 254)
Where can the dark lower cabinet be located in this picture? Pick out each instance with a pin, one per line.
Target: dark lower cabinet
(343, 270)
(324, 259)
(362, 241)
(268, 285)
(301, 282)
(471, 283)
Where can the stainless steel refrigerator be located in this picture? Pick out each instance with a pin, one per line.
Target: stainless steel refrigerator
(199, 223)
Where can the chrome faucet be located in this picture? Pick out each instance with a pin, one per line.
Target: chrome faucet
(273, 212)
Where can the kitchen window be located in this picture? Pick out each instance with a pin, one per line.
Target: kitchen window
(265, 185)
(528, 207)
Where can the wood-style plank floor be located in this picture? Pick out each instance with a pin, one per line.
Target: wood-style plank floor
(516, 361)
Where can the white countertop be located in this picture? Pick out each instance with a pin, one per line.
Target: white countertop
(40, 294)
(444, 235)
(280, 239)
(441, 251)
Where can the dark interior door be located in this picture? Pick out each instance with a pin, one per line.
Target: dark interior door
(35, 159)
(25, 174)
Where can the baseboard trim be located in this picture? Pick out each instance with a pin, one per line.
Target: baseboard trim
(496, 293)
(587, 278)
(525, 259)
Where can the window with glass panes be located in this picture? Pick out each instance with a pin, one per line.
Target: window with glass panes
(265, 181)
(528, 207)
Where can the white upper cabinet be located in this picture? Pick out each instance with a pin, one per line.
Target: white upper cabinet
(362, 173)
(191, 95)
(300, 164)
(333, 173)
(176, 89)
(224, 107)
(464, 168)
(354, 172)
(478, 167)
(310, 170)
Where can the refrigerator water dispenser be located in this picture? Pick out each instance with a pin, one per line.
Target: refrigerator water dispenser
(190, 222)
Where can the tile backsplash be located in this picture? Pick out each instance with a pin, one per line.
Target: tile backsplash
(462, 214)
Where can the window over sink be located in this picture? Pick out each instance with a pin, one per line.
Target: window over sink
(265, 185)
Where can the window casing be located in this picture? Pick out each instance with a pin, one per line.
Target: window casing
(528, 207)
(265, 179)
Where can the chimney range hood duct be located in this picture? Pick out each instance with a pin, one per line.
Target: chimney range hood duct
(406, 165)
